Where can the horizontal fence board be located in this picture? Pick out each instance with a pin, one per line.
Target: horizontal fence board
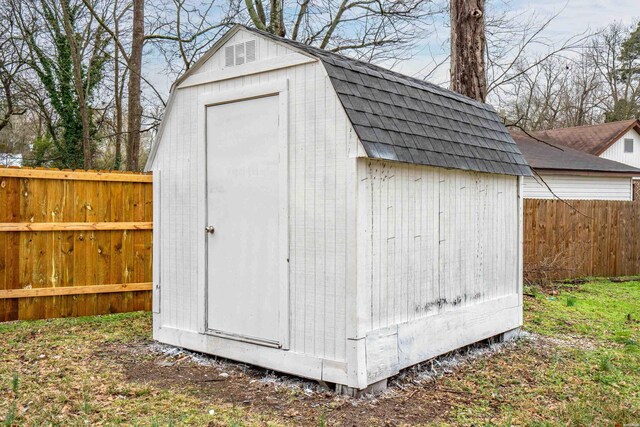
(566, 239)
(61, 231)
(74, 226)
(74, 175)
(74, 290)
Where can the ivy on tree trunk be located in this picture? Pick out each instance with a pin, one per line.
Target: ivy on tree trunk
(135, 68)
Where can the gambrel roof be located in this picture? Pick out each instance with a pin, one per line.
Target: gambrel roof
(401, 118)
(397, 117)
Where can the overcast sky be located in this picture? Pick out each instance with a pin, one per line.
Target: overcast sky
(574, 17)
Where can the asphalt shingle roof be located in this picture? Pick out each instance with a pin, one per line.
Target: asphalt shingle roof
(547, 155)
(397, 117)
(592, 139)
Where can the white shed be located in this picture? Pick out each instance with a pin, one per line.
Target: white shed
(328, 218)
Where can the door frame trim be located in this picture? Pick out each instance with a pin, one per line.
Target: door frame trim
(278, 88)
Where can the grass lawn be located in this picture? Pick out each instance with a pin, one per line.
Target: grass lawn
(579, 364)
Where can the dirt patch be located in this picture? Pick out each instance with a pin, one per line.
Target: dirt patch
(225, 383)
(415, 396)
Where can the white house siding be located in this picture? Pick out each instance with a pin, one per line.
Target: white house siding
(321, 180)
(616, 150)
(576, 187)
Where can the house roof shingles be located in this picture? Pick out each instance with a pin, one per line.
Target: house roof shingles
(592, 139)
(401, 118)
(547, 155)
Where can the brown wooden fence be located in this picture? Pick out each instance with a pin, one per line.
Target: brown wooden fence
(581, 238)
(74, 243)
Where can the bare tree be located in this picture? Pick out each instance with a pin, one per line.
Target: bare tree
(576, 87)
(117, 89)
(554, 93)
(618, 69)
(11, 65)
(517, 43)
(131, 52)
(181, 30)
(134, 63)
(64, 49)
(69, 13)
(368, 29)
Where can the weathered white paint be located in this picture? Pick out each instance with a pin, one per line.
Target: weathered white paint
(320, 150)
(616, 150)
(441, 239)
(388, 263)
(157, 238)
(401, 345)
(443, 251)
(577, 187)
(291, 362)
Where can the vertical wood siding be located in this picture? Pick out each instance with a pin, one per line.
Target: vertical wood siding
(442, 240)
(321, 246)
(573, 187)
(264, 49)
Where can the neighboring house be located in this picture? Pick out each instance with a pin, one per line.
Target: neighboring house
(565, 173)
(619, 141)
(321, 216)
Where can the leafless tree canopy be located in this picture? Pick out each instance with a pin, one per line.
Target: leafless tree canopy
(367, 29)
(83, 83)
(591, 83)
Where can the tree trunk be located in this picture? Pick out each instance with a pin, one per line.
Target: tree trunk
(468, 74)
(134, 107)
(8, 97)
(79, 86)
(117, 164)
(118, 113)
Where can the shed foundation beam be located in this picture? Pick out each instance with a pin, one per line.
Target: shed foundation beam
(511, 335)
(375, 388)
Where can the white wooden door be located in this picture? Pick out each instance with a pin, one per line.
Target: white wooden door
(243, 206)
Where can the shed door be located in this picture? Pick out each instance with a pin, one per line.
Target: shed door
(244, 287)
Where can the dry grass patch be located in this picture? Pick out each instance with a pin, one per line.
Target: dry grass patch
(576, 366)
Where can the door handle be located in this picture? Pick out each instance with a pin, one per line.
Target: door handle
(210, 229)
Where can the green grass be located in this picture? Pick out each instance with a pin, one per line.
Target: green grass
(600, 310)
(581, 367)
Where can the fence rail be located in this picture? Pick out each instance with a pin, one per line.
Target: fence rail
(74, 243)
(581, 238)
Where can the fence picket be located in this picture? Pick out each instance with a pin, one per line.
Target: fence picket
(579, 238)
(61, 229)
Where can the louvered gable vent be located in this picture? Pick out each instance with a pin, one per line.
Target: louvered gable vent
(240, 53)
(228, 56)
(250, 51)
